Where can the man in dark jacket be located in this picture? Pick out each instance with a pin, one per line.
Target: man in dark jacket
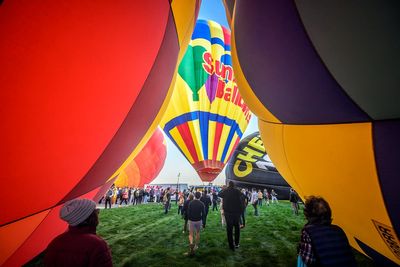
(195, 213)
(206, 200)
(233, 208)
(79, 245)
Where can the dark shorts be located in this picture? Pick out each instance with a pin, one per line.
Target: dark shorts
(195, 225)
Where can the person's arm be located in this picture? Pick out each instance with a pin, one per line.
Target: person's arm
(305, 249)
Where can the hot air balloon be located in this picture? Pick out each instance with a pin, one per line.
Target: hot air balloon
(326, 92)
(250, 166)
(81, 91)
(206, 116)
(146, 165)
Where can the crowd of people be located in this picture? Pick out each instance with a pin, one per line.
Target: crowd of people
(81, 246)
(119, 196)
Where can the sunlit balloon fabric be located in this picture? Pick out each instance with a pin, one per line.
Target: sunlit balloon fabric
(323, 78)
(146, 165)
(206, 116)
(250, 166)
(82, 85)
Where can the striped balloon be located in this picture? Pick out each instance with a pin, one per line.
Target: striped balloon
(323, 78)
(206, 116)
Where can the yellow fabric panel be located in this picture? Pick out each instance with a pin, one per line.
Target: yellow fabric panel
(13, 235)
(235, 136)
(223, 140)
(179, 141)
(194, 127)
(272, 137)
(247, 93)
(211, 137)
(201, 42)
(337, 162)
(185, 20)
(215, 30)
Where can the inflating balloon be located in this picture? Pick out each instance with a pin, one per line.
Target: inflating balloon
(146, 165)
(250, 166)
(82, 86)
(326, 92)
(207, 116)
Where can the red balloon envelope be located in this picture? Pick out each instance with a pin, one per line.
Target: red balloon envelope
(81, 85)
(146, 165)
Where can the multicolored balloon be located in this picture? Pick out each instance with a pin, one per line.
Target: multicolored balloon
(326, 92)
(207, 116)
(82, 89)
(250, 166)
(146, 165)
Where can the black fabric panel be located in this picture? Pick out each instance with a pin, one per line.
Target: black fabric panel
(386, 137)
(283, 68)
(361, 49)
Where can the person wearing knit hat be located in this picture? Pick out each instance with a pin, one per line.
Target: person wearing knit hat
(77, 211)
(79, 245)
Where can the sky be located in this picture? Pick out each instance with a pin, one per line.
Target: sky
(175, 162)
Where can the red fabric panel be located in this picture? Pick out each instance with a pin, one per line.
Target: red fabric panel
(50, 227)
(188, 139)
(217, 139)
(70, 73)
(139, 118)
(152, 158)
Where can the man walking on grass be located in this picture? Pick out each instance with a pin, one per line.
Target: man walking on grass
(195, 214)
(233, 208)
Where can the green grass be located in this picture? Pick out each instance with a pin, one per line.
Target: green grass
(145, 236)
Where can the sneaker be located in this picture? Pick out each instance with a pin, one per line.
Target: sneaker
(237, 246)
(196, 247)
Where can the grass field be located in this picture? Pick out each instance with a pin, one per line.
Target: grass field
(144, 236)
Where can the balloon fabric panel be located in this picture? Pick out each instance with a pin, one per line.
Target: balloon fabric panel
(368, 50)
(250, 166)
(146, 165)
(12, 236)
(49, 228)
(206, 107)
(65, 133)
(318, 99)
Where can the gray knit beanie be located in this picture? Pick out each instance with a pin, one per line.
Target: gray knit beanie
(77, 211)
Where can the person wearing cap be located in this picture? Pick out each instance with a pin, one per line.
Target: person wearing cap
(79, 245)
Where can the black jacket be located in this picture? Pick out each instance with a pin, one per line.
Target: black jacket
(233, 201)
(195, 210)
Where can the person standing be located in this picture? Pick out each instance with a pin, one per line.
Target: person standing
(195, 212)
(266, 197)
(294, 201)
(260, 198)
(254, 201)
(245, 203)
(180, 203)
(205, 198)
(108, 197)
(274, 196)
(321, 242)
(233, 208)
(166, 200)
(79, 245)
(184, 211)
(214, 200)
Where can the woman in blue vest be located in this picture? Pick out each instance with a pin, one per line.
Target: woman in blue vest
(322, 243)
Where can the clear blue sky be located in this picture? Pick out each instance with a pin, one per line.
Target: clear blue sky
(175, 162)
